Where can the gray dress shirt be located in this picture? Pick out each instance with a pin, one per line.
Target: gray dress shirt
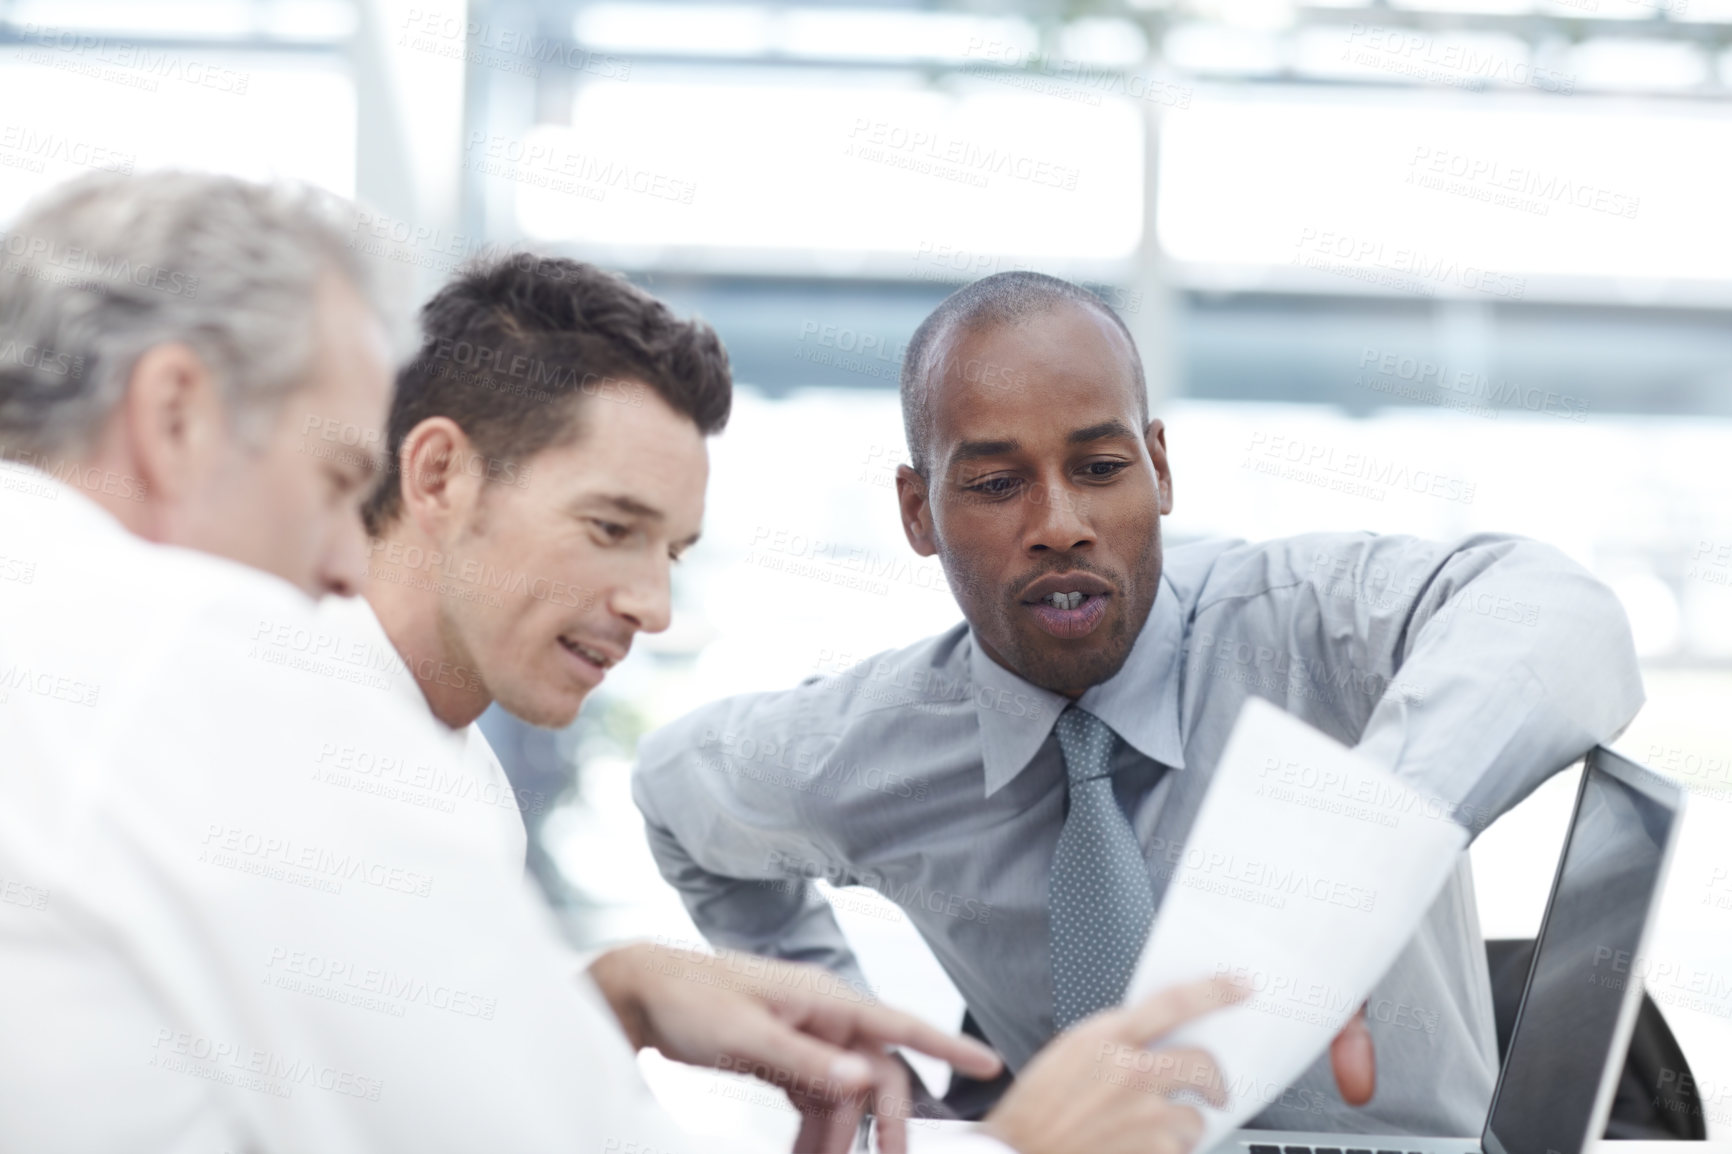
(1473, 670)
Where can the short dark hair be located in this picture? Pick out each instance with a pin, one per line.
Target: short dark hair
(513, 347)
(1002, 298)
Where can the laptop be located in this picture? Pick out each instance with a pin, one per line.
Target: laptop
(1572, 1032)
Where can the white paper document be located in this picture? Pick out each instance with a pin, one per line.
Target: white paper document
(1306, 873)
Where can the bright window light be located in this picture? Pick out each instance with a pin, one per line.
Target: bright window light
(795, 171)
(878, 34)
(1587, 9)
(1222, 48)
(730, 30)
(696, 29)
(217, 19)
(1393, 53)
(1108, 43)
(1410, 192)
(167, 17)
(251, 116)
(1488, 7)
(1639, 64)
(1263, 15)
(309, 20)
(1705, 11)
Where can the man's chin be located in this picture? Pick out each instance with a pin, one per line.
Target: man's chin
(548, 711)
(1070, 669)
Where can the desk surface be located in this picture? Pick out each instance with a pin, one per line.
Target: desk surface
(1712, 1146)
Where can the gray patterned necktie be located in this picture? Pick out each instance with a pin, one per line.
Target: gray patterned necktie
(1101, 903)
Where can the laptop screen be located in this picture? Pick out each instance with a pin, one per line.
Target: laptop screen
(1585, 961)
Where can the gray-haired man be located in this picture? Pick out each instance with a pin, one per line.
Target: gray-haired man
(163, 370)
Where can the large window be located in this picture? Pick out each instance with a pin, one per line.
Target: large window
(1495, 197)
(802, 173)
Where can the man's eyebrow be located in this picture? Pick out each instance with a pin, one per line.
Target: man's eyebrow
(970, 450)
(1112, 428)
(631, 506)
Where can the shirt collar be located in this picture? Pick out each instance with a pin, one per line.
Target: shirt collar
(78, 518)
(29, 483)
(356, 617)
(1140, 702)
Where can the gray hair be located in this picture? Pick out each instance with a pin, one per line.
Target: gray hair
(1000, 299)
(103, 268)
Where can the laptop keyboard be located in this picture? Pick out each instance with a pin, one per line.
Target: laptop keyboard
(1255, 1149)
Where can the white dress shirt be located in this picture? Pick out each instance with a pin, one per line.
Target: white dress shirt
(1474, 670)
(481, 790)
(209, 945)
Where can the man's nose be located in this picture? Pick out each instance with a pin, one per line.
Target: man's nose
(343, 568)
(646, 601)
(1055, 520)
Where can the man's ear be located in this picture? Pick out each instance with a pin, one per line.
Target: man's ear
(174, 420)
(432, 478)
(1155, 437)
(912, 496)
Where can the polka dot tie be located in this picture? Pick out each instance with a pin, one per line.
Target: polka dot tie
(1101, 904)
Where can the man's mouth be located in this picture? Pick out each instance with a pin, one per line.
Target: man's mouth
(1068, 606)
(1070, 614)
(595, 661)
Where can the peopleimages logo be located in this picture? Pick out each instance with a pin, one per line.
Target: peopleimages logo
(1303, 999)
(134, 65)
(42, 258)
(1471, 385)
(319, 975)
(16, 893)
(1349, 471)
(909, 895)
(807, 768)
(312, 866)
(253, 1068)
(1263, 883)
(1399, 266)
(30, 356)
(40, 147)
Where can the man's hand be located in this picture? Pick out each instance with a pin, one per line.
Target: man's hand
(1097, 1087)
(1354, 1061)
(798, 1027)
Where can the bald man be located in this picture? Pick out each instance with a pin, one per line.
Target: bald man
(946, 775)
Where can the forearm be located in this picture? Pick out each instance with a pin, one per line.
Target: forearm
(749, 896)
(613, 975)
(795, 925)
(1513, 662)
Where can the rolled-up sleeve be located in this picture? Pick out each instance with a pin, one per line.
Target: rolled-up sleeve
(727, 833)
(1505, 660)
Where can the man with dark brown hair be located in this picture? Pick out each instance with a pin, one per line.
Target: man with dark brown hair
(519, 543)
(517, 546)
(546, 465)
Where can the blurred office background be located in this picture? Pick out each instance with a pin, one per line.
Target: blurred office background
(1365, 246)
